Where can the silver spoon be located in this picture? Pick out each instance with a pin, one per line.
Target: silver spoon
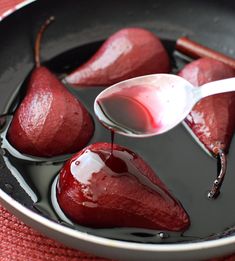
(166, 98)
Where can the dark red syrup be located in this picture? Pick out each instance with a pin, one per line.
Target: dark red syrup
(133, 109)
(112, 140)
(116, 161)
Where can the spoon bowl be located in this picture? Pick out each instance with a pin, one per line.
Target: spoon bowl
(166, 97)
(153, 104)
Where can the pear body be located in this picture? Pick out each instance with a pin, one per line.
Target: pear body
(100, 188)
(50, 121)
(128, 53)
(212, 119)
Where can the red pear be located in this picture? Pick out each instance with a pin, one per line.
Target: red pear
(128, 53)
(104, 186)
(212, 120)
(50, 121)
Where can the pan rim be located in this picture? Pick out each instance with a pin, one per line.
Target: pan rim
(76, 234)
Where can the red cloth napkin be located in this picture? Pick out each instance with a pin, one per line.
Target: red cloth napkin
(19, 242)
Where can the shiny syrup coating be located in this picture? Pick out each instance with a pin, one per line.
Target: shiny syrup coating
(105, 186)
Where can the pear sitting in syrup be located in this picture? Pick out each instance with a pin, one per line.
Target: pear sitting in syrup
(212, 120)
(108, 185)
(128, 53)
(49, 121)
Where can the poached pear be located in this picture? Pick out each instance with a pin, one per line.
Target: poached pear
(212, 119)
(49, 121)
(128, 53)
(107, 185)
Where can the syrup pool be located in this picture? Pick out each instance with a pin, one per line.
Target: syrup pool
(180, 163)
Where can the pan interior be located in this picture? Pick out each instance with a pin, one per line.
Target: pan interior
(67, 45)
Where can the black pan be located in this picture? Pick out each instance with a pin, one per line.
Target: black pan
(27, 184)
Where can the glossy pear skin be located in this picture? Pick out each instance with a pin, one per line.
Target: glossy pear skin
(50, 121)
(98, 188)
(128, 53)
(213, 118)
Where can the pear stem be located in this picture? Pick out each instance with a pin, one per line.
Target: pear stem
(37, 45)
(222, 163)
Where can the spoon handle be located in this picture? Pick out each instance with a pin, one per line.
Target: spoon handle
(221, 86)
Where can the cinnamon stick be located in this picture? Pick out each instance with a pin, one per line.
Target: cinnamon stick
(196, 50)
